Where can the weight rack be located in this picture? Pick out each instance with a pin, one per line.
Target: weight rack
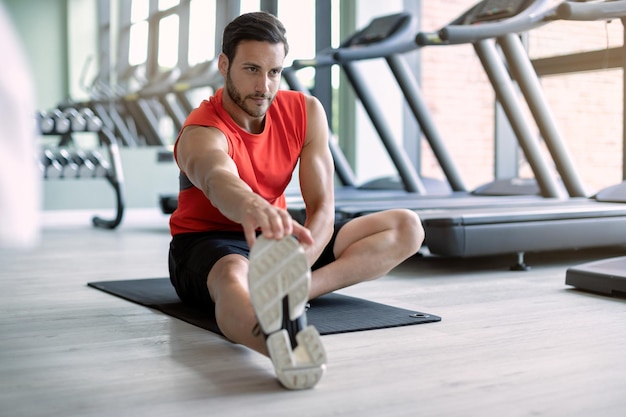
(65, 161)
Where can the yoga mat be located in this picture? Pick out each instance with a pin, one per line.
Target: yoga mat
(330, 314)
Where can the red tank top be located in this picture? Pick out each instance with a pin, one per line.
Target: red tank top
(265, 161)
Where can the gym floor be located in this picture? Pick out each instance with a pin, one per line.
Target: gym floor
(510, 343)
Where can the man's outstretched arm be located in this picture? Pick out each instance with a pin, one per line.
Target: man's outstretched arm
(317, 179)
(202, 154)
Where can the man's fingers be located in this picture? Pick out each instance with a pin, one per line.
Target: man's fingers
(302, 234)
(273, 222)
(250, 234)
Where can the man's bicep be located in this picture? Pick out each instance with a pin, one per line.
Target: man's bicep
(316, 163)
(202, 150)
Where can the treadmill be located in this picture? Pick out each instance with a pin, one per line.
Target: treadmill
(480, 226)
(383, 37)
(606, 276)
(558, 222)
(388, 38)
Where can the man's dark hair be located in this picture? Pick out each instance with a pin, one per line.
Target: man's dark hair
(256, 26)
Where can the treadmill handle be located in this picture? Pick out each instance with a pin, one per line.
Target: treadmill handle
(591, 11)
(326, 59)
(534, 15)
(429, 39)
(383, 49)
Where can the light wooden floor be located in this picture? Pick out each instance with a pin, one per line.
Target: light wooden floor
(510, 343)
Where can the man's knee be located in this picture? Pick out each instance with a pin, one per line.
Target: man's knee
(409, 230)
(230, 271)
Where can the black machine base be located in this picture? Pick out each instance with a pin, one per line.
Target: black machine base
(607, 276)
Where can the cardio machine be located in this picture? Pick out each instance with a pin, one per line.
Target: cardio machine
(389, 38)
(561, 223)
(480, 225)
(606, 276)
(564, 214)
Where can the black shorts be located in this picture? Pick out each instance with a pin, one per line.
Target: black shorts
(192, 255)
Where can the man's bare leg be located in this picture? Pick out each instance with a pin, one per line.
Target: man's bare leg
(366, 248)
(274, 296)
(369, 247)
(279, 280)
(228, 286)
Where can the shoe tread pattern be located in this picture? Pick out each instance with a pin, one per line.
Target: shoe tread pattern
(301, 370)
(278, 269)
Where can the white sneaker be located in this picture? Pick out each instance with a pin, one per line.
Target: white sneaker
(279, 279)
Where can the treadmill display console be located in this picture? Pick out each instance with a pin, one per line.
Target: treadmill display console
(378, 30)
(495, 10)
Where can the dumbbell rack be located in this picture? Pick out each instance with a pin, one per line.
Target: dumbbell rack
(68, 162)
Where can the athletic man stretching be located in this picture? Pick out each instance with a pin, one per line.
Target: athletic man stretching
(236, 154)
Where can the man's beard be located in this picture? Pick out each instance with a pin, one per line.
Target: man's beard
(253, 111)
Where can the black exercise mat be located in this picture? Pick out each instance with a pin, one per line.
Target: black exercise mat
(330, 314)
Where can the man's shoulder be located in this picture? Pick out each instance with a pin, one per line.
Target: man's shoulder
(208, 111)
(291, 99)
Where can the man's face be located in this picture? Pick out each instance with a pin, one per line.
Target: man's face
(253, 77)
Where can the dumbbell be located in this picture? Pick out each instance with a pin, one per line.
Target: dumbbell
(54, 123)
(51, 166)
(86, 168)
(77, 121)
(70, 168)
(101, 166)
(94, 123)
(45, 122)
(61, 122)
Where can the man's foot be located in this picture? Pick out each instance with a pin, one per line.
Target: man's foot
(279, 279)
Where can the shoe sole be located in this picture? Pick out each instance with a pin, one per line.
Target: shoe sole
(302, 367)
(279, 269)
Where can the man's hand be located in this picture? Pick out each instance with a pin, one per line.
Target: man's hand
(274, 223)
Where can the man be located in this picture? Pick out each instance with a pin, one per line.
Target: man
(236, 153)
